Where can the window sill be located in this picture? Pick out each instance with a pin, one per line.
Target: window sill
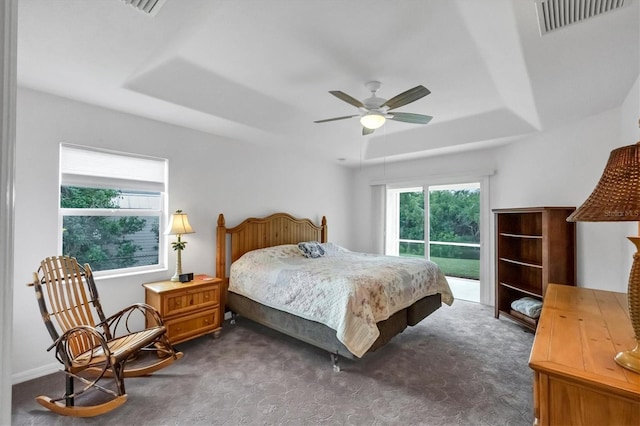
(106, 275)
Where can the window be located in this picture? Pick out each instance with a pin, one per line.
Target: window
(405, 222)
(439, 222)
(112, 207)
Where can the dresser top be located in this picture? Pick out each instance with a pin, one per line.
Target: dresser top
(579, 333)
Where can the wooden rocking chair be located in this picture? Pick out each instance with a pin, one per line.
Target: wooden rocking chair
(93, 351)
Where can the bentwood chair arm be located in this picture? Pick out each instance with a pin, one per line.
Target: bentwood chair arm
(65, 355)
(148, 312)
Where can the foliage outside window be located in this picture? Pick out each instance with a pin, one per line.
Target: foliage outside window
(455, 218)
(111, 218)
(411, 211)
(454, 227)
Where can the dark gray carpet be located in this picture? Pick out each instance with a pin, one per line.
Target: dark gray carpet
(460, 366)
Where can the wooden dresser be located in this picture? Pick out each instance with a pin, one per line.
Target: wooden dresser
(576, 380)
(189, 310)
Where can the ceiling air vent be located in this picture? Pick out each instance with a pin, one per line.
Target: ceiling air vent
(150, 7)
(556, 14)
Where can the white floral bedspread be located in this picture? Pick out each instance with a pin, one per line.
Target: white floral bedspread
(347, 291)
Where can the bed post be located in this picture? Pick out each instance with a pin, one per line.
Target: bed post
(221, 250)
(221, 257)
(221, 264)
(323, 231)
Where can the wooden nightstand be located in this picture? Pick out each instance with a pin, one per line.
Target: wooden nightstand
(189, 310)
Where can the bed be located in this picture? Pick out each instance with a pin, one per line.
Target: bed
(241, 251)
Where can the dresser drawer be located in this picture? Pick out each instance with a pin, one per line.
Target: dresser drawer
(189, 300)
(193, 325)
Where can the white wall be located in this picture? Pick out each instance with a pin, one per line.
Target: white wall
(556, 167)
(208, 175)
(561, 168)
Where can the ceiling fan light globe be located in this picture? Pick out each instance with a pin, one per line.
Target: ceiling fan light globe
(372, 120)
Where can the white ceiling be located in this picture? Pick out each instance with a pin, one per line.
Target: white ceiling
(260, 70)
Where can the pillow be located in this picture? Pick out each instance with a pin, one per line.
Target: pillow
(311, 249)
(332, 250)
(527, 305)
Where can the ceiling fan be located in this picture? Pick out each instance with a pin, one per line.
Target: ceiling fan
(375, 111)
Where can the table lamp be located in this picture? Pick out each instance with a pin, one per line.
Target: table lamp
(616, 198)
(179, 225)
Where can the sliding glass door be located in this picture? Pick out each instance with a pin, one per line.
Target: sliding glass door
(454, 236)
(444, 226)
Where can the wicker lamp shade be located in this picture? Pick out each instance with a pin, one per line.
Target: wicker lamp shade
(616, 198)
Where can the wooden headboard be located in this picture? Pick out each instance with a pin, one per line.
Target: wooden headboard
(256, 233)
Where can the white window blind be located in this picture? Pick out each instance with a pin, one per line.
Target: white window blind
(112, 208)
(87, 167)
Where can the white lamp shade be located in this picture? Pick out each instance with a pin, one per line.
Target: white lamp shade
(179, 224)
(372, 120)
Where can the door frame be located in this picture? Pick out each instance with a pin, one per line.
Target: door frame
(487, 295)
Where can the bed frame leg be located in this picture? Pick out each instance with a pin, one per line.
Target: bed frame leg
(233, 318)
(334, 360)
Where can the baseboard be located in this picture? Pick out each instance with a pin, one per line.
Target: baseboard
(35, 373)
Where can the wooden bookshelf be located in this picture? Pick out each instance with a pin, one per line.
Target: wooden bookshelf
(534, 246)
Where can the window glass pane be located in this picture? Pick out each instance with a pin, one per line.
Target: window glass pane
(74, 197)
(457, 261)
(111, 242)
(411, 223)
(411, 249)
(455, 229)
(112, 205)
(412, 215)
(455, 214)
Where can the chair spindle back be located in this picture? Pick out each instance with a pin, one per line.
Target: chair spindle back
(71, 299)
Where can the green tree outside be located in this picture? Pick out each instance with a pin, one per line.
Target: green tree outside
(455, 218)
(101, 241)
(412, 223)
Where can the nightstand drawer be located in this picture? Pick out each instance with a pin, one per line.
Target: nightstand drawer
(190, 300)
(189, 310)
(189, 326)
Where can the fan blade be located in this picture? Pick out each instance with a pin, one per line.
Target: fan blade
(366, 131)
(336, 118)
(408, 117)
(407, 97)
(348, 99)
